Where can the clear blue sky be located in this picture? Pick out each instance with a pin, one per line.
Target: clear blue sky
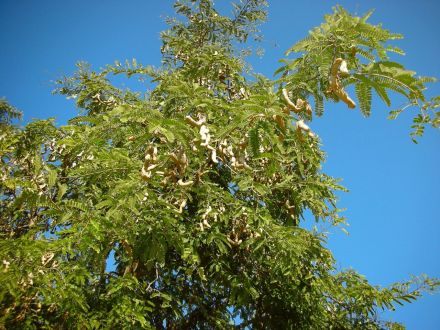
(393, 206)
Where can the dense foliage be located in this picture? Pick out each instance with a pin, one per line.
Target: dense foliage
(196, 192)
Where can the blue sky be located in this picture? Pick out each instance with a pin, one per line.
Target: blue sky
(392, 207)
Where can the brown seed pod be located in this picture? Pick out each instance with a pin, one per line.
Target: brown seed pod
(182, 205)
(180, 161)
(280, 121)
(300, 106)
(300, 124)
(184, 184)
(214, 156)
(290, 104)
(5, 265)
(343, 70)
(308, 108)
(46, 258)
(290, 208)
(204, 136)
(194, 123)
(150, 163)
(339, 66)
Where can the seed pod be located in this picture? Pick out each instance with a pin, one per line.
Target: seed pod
(339, 66)
(280, 121)
(290, 208)
(300, 124)
(206, 224)
(46, 258)
(308, 108)
(290, 104)
(204, 135)
(194, 123)
(146, 175)
(343, 68)
(182, 205)
(185, 184)
(6, 265)
(214, 156)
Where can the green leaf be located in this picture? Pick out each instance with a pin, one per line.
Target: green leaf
(62, 188)
(363, 93)
(51, 178)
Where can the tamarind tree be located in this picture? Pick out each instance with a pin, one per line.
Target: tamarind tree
(183, 208)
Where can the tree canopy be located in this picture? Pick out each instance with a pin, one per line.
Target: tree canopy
(182, 208)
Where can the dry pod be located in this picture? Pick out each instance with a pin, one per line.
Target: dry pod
(290, 104)
(185, 183)
(339, 66)
(301, 125)
(150, 161)
(195, 123)
(182, 205)
(300, 105)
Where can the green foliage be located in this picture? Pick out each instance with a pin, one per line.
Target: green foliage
(7, 113)
(366, 50)
(197, 190)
